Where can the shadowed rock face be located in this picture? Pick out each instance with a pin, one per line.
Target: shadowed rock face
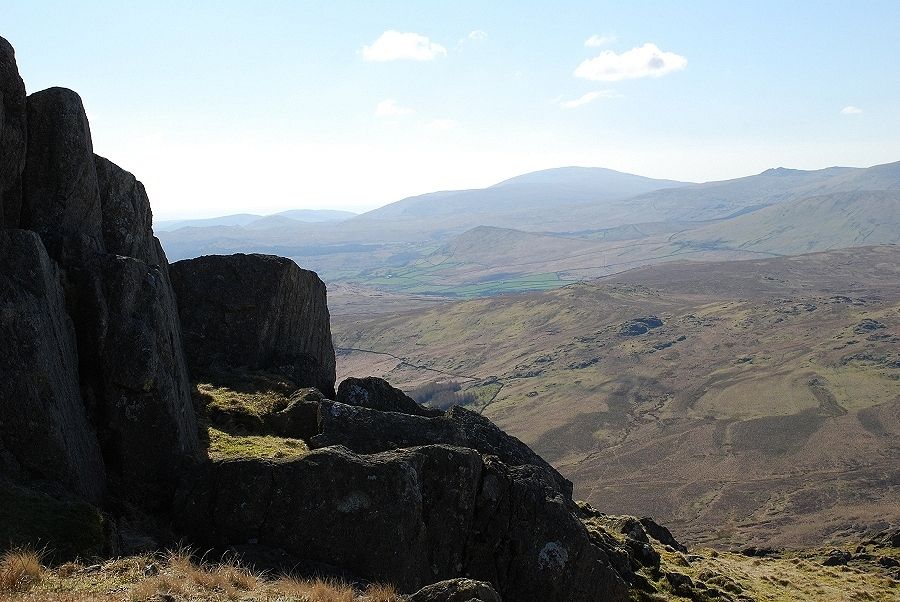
(378, 394)
(126, 356)
(409, 517)
(255, 311)
(12, 136)
(127, 219)
(44, 433)
(60, 196)
(148, 423)
(367, 431)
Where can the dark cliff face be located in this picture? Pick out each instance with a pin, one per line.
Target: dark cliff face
(257, 312)
(12, 136)
(60, 197)
(96, 365)
(44, 431)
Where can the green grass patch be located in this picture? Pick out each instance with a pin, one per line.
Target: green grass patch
(225, 446)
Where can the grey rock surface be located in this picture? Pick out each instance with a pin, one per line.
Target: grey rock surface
(148, 427)
(378, 394)
(364, 430)
(60, 200)
(44, 432)
(456, 590)
(409, 517)
(255, 311)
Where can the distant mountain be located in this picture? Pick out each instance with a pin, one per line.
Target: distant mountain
(310, 216)
(729, 198)
(238, 219)
(820, 223)
(610, 181)
(544, 229)
(524, 197)
(317, 215)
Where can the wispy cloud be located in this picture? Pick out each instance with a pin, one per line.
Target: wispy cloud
(645, 61)
(587, 98)
(389, 108)
(441, 125)
(596, 41)
(477, 35)
(399, 46)
(851, 110)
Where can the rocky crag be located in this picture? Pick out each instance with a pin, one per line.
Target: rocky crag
(99, 433)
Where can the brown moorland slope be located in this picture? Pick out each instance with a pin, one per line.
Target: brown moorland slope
(737, 402)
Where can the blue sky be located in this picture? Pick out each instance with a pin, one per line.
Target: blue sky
(222, 107)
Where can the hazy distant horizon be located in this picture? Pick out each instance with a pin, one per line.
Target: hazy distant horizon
(250, 210)
(233, 107)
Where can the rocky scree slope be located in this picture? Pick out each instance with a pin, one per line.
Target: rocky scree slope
(99, 445)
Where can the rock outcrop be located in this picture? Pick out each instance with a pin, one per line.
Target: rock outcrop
(44, 432)
(147, 423)
(60, 197)
(377, 394)
(127, 219)
(367, 431)
(13, 133)
(456, 590)
(96, 418)
(115, 386)
(407, 516)
(257, 312)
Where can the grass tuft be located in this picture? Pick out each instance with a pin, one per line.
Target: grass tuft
(20, 570)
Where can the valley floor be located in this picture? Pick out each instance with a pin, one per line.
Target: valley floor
(753, 402)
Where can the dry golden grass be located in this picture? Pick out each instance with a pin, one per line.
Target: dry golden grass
(176, 577)
(20, 570)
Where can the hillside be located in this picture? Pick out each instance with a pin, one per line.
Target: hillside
(819, 223)
(762, 406)
(546, 229)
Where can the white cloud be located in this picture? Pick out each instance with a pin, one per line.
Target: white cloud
(587, 98)
(397, 46)
(441, 125)
(596, 41)
(851, 110)
(645, 61)
(389, 108)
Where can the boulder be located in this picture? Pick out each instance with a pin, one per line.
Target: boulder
(146, 418)
(378, 394)
(13, 133)
(456, 590)
(661, 534)
(366, 431)
(410, 517)
(257, 312)
(44, 432)
(60, 199)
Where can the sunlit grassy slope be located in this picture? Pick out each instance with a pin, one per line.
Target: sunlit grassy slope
(766, 407)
